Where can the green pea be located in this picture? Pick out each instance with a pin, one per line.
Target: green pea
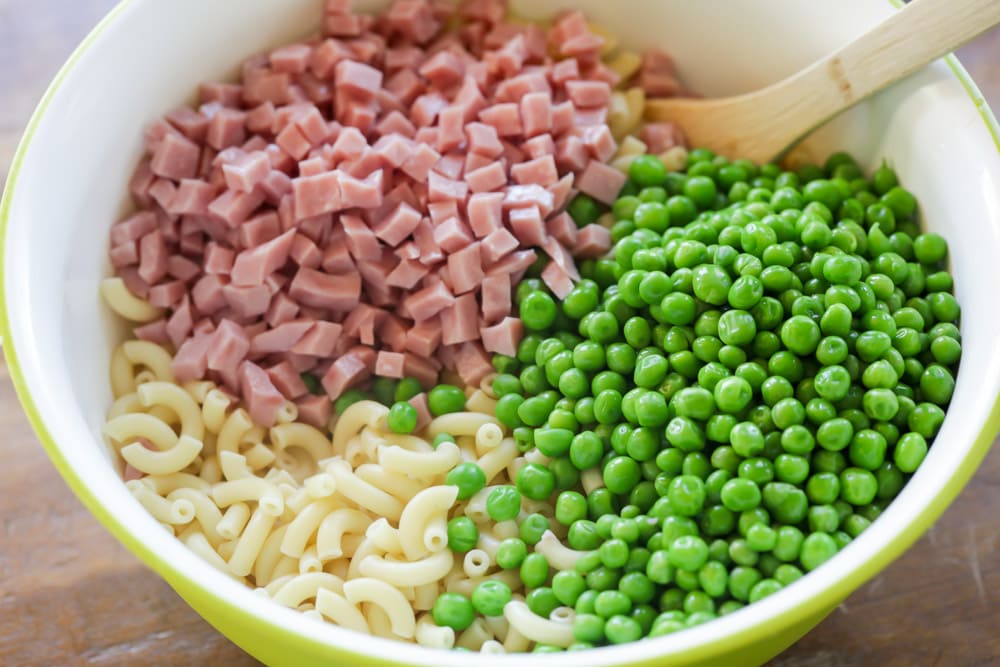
(453, 610)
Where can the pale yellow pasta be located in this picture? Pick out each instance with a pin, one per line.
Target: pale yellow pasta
(379, 593)
(514, 466)
(404, 440)
(558, 554)
(497, 459)
(337, 567)
(609, 39)
(274, 585)
(249, 544)
(486, 385)
(198, 389)
(356, 417)
(197, 542)
(206, 512)
(122, 377)
(303, 587)
(126, 304)
(506, 529)
(286, 566)
(591, 480)
(562, 615)
(303, 436)
(498, 625)
(233, 521)
(436, 533)
(411, 573)
(320, 485)
(425, 595)
(287, 413)
(535, 628)
(302, 529)
(459, 423)
(134, 425)
(625, 64)
(163, 462)
(269, 499)
(630, 146)
(366, 495)
(474, 636)
(234, 466)
(150, 355)
(476, 563)
(488, 437)
(259, 456)
(384, 536)
(464, 585)
(174, 397)
(674, 159)
(210, 470)
(164, 484)
(428, 505)
(237, 424)
(335, 607)
(431, 635)
(492, 647)
(309, 561)
(213, 409)
(395, 484)
(542, 507)
(535, 456)
(515, 642)
(179, 511)
(312, 614)
(355, 454)
(419, 464)
(334, 526)
(269, 557)
(124, 404)
(480, 402)
(378, 621)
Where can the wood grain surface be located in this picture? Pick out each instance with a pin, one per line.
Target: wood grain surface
(71, 595)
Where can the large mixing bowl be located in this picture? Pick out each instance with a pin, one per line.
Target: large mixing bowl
(69, 182)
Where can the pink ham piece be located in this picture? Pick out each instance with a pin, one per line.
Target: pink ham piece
(346, 372)
(398, 225)
(316, 195)
(320, 340)
(660, 137)
(229, 346)
(286, 380)
(419, 402)
(281, 338)
(428, 302)
(496, 297)
(191, 360)
(592, 241)
(262, 399)
(503, 337)
(321, 290)
(175, 157)
(557, 280)
(389, 364)
(315, 410)
(601, 182)
(460, 321)
(358, 79)
(423, 338)
(252, 266)
(465, 269)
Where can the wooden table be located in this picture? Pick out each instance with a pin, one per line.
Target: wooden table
(71, 595)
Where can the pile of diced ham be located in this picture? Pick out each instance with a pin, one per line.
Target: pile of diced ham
(362, 203)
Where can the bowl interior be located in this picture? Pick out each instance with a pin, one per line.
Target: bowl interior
(69, 184)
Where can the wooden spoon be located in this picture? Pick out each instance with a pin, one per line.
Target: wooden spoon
(763, 124)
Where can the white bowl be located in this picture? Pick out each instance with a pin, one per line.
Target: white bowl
(69, 182)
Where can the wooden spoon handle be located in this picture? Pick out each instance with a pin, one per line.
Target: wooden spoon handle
(906, 41)
(903, 43)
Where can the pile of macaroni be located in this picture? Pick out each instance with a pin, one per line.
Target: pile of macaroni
(348, 526)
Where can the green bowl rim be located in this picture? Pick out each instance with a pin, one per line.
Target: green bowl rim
(828, 598)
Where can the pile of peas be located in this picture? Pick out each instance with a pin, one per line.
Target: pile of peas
(755, 371)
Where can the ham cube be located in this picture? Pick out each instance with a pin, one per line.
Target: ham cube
(592, 241)
(452, 235)
(460, 321)
(428, 302)
(315, 410)
(320, 340)
(262, 398)
(557, 280)
(175, 157)
(321, 290)
(465, 269)
(360, 80)
(528, 226)
(497, 244)
(601, 181)
(485, 213)
(398, 225)
(191, 360)
(316, 195)
(496, 297)
(229, 345)
(254, 265)
(503, 337)
(390, 364)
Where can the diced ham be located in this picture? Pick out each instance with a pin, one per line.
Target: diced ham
(428, 302)
(465, 269)
(316, 195)
(406, 274)
(536, 113)
(601, 181)
(390, 364)
(519, 260)
(562, 228)
(398, 225)
(345, 372)
(252, 266)
(315, 410)
(247, 302)
(419, 402)
(281, 338)
(460, 321)
(660, 137)
(497, 244)
(152, 257)
(599, 142)
(422, 369)
(192, 197)
(496, 297)
(262, 399)
(320, 340)
(229, 345)
(452, 235)
(190, 362)
(503, 337)
(505, 119)
(361, 240)
(287, 380)
(166, 294)
(226, 128)
(321, 290)
(358, 79)
(420, 162)
(472, 363)
(424, 337)
(483, 140)
(154, 332)
(528, 226)
(541, 171)
(485, 179)
(125, 254)
(175, 157)
(588, 94)
(592, 241)
(557, 280)
(280, 310)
